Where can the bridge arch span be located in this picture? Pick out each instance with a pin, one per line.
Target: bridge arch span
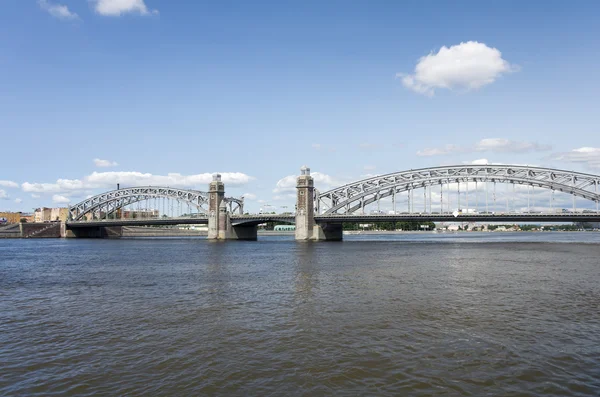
(111, 201)
(348, 198)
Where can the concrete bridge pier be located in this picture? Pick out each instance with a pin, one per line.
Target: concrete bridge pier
(328, 232)
(306, 227)
(219, 220)
(216, 194)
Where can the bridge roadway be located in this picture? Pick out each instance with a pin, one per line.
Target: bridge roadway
(236, 220)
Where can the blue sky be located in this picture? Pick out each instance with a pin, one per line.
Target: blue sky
(254, 90)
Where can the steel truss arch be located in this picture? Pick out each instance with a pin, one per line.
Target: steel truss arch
(113, 200)
(235, 204)
(348, 198)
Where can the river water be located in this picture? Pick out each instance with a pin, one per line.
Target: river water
(508, 314)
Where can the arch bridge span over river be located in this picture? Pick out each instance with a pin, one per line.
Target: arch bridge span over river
(319, 215)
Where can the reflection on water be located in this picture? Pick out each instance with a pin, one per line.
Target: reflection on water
(410, 314)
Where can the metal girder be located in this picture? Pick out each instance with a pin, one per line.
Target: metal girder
(348, 198)
(235, 204)
(111, 201)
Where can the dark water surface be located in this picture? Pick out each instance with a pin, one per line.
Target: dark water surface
(416, 315)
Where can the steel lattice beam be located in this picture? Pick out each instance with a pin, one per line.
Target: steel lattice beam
(348, 198)
(115, 199)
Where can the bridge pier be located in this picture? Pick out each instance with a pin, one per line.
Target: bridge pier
(216, 223)
(306, 227)
(219, 219)
(328, 232)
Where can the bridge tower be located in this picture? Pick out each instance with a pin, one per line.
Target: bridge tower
(306, 226)
(216, 195)
(305, 208)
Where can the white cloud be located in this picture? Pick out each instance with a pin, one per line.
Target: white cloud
(480, 162)
(4, 195)
(58, 199)
(108, 180)
(465, 66)
(317, 146)
(35, 196)
(439, 151)
(117, 8)
(40, 187)
(57, 10)
(285, 184)
(487, 145)
(322, 181)
(9, 184)
(505, 145)
(18, 201)
(589, 156)
(105, 163)
(369, 167)
(249, 196)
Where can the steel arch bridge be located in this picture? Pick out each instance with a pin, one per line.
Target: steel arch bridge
(109, 202)
(353, 196)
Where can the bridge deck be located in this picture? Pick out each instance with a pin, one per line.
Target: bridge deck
(511, 218)
(255, 219)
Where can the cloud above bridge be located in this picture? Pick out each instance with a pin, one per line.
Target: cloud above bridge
(58, 199)
(465, 66)
(109, 180)
(115, 8)
(9, 184)
(589, 156)
(288, 184)
(105, 163)
(57, 10)
(4, 195)
(499, 145)
(505, 145)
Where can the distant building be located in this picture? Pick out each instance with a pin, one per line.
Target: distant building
(50, 214)
(11, 217)
(27, 218)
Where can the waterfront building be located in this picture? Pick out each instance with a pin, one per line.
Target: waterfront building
(45, 214)
(11, 217)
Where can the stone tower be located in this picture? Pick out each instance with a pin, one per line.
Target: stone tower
(305, 212)
(216, 194)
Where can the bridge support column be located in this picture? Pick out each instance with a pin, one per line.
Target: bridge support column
(328, 232)
(216, 193)
(305, 211)
(306, 227)
(219, 219)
